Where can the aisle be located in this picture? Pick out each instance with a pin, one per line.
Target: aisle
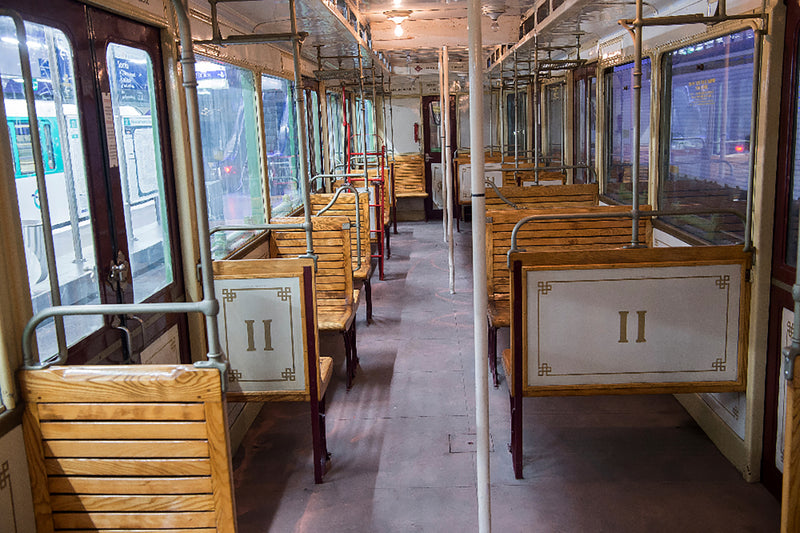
(403, 448)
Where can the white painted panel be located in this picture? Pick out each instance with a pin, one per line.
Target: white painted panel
(405, 113)
(632, 325)
(16, 505)
(262, 333)
(492, 172)
(165, 350)
(436, 186)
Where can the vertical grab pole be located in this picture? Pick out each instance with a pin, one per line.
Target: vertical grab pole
(448, 167)
(442, 142)
(637, 112)
(537, 129)
(479, 298)
(36, 145)
(300, 106)
(193, 116)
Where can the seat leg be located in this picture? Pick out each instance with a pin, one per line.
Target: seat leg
(516, 434)
(354, 348)
(492, 338)
(368, 298)
(389, 245)
(348, 358)
(320, 450)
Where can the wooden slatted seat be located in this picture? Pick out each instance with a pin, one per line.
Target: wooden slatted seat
(128, 448)
(553, 195)
(409, 176)
(523, 174)
(336, 298)
(545, 235)
(344, 206)
(269, 334)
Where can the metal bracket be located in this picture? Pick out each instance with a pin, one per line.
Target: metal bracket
(220, 365)
(790, 354)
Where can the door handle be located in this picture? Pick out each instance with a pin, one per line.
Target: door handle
(119, 272)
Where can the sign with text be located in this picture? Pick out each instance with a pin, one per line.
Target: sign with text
(261, 325)
(659, 324)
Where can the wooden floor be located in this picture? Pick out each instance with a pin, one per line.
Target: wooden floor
(403, 438)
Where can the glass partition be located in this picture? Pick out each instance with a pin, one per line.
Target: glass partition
(280, 129)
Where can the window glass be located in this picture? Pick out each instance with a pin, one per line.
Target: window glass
(144, 200)
(516, 124)
(554, 106)
(315, 135)
(228, 127)
(619, 91)
(585, 131)
(280, 128)
(435, 126)
(791, 233)
(706, 165)
(63, 160)
(335, 132)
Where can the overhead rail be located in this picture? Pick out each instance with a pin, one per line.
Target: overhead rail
(209, 306)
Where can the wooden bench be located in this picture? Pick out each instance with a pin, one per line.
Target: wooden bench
(345, 207)
(269, 335)
(617, 322)
(524, 175)
(128, 448)
(546, 235)
(335, 297)
(550, 196)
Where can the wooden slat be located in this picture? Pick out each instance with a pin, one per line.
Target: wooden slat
(170, 530)
(790, 505)
(128, 485)
(153, 503)
(126, 448)
(123, 430)
(120, 411)
(222, 474)
(133, 520)
(127, 467)
(128, 383)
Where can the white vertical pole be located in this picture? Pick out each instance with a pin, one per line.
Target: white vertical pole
(479, 263)
(448, 167)
(441, 144)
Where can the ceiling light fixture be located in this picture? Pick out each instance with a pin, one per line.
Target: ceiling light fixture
(398, 16)
(494, 12)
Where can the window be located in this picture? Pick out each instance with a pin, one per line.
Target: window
(64, 167)
(794, 204)
(228, 125)
(554, 109)
(708, 90)
(280, 128)
(335, 132)
(620, 145)
(585, 123)
(516, 124)
(143, 191)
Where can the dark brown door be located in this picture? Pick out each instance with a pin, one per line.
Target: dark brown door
(432, 152)
(100, 96)
(784, 255)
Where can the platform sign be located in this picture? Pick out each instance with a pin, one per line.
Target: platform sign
(633, 325)
(261, 333)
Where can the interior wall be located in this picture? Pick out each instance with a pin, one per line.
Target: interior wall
(405, 113)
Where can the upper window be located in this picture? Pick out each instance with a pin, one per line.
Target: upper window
(228, 126)
(335, 132)
(620, 144)
(554, 108)
(516, 124)
(709, 89)
(585, 95)
(280, 128)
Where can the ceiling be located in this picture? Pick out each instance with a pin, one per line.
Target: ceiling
(429, 25)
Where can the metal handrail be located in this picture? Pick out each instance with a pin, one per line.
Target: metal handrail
(500, 195)
(626, 214)
(336, 195)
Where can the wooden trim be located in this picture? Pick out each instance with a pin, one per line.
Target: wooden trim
(790, 502)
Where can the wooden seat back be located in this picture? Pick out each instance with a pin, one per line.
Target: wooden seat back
(344, 207)
(554, 195)
(524, 174)
(409, 176)
(128, 448)
(554, 235)
(331, 235)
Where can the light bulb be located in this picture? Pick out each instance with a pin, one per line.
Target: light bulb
(398, 30)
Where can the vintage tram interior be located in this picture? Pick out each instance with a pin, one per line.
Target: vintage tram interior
(399, 265)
